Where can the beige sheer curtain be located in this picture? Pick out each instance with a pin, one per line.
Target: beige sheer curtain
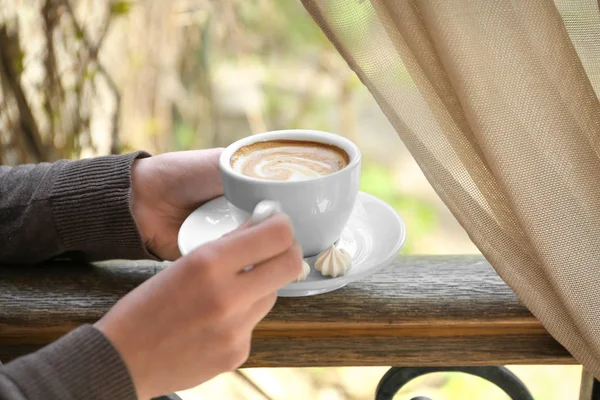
(497, 101)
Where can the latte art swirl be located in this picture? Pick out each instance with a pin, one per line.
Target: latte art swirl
(287, 160)
(282, 166)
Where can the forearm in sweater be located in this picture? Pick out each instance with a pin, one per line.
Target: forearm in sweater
(83, 365)
(69, 206)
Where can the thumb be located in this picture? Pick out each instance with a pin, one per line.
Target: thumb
(243, 226)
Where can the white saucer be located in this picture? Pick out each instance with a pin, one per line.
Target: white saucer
(373, 237)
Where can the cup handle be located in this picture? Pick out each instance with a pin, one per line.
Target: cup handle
(264, 210)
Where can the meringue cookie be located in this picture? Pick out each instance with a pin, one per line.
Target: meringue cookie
(305, 272)
(333, 262)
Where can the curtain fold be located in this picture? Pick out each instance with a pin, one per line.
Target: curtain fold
(497, 102)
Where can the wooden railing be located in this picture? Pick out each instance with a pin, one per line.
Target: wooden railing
(420, 311)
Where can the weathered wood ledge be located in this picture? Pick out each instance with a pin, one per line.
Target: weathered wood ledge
(424, 311)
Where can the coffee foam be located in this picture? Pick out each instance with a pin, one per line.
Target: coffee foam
(288, 160)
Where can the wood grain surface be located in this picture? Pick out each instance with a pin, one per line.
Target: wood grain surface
(419, 311)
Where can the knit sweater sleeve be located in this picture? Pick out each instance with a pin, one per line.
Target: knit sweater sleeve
(69, 207)
(82, 365)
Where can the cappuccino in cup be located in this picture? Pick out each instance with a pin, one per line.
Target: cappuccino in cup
(288, 160)
(312, 175)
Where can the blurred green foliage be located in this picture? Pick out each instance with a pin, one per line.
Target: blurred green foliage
(120, 7)
(420, 217)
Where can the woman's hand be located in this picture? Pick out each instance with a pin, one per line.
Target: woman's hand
(194, 320)
(166, 189)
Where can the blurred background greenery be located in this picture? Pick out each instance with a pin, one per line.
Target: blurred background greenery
(80, 78)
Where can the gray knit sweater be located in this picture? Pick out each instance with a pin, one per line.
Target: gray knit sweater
(50, 209)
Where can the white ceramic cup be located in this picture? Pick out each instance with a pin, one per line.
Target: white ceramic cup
(319, 208)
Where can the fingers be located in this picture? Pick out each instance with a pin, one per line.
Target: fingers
(259, 310)
(248, 246)
(272, 274)
(237, 333)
